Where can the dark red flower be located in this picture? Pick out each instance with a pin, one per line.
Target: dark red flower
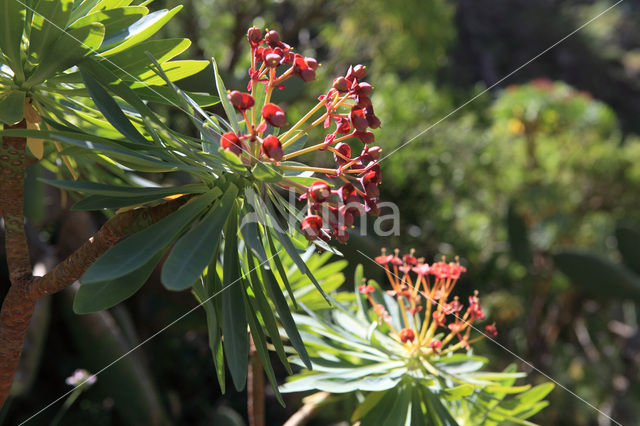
(231, 142)
(407, 335)
(272, 38)
(439, 318)
(319, 191)
(241, 101)
(435, 344)
(272, 148)
(365, 137)
(274, 115)
(255, 36)
(343, 149)
(311, 226)
(341, 84)
(341, 234)
(358, 120)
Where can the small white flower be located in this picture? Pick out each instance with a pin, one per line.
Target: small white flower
(81, 376)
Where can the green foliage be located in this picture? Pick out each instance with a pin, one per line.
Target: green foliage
(351, 352)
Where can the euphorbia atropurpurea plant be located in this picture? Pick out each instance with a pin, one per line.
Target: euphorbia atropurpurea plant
(222, 233)
(406, 353)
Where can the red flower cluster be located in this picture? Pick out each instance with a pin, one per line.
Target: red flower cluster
(419, 287)
(331, 208)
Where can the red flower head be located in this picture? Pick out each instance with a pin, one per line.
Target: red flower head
(231, 142)
(311, 226)
(491, 330)
(343, 149)
(272, 38)
(358, 120)
(435, 344)
(341, 84)
(341, 234)
(439, 318)
(305, 68)
(241, 101)
(407, 335)
(421, 269)
(415, 310)
(272, 148)
(319, 191)
(274, 115)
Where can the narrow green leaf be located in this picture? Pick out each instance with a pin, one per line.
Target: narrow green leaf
(267, 172)
(205, 293)
(234, 324)
(250, 231)
(124, 191)
(114, 20)
(195, 249)
(101, 295)
(222, 94)
(133, 61)
(47, 24)
(110, 109)
(276, 296)
(136, 250)
(259, 342)
(12, 107)
(138, 31)
(12, 17)
(266, 311)
(175, 70)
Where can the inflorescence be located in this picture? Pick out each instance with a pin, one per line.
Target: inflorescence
(330, 208)
(431, 321)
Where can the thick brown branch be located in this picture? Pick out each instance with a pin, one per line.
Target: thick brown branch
(12, 168)
(115, 229)
(255, 388)
(19, 303)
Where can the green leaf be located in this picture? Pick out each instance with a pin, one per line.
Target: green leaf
(102, 202)
(291, 250)
(110, 109)
(175, 70)
(12, 17)
(222, 94)
(47, 24)
(205, 293)
(101, 295)
(259, 342)
(518, 237)
(12, 107)
(457, 392)
(114, 20)
(276, 296)
(266, 311)
(195, 249)
(362, 302)
(597, 275)
(628, 238)
(251, 232)
(67, 51)
(136, 250)
(137, 32)
(267, 172)
(234, 324)
(133, 60)
(125, 191)
(163, 95)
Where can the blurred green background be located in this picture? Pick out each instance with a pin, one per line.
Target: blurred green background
(535, 185)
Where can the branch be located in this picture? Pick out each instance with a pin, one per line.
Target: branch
(307, 411)
(12, 169)
(114, 230)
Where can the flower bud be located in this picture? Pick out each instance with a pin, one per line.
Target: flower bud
(311, 226)
(272, 148)
(341, 234)
(357, 120)
(272, 60)
(241, 101)
(272, 38)
(343, 149)
(319, 191)
(363, 89)
(359, 71)
(407, 335)
(253, 35)
(274, 115)
(341, 84)
(231, 142)
(311, 63)
(307, 75)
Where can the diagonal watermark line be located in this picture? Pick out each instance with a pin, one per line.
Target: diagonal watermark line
(530, 365)
(147, 340)
(503, 79)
